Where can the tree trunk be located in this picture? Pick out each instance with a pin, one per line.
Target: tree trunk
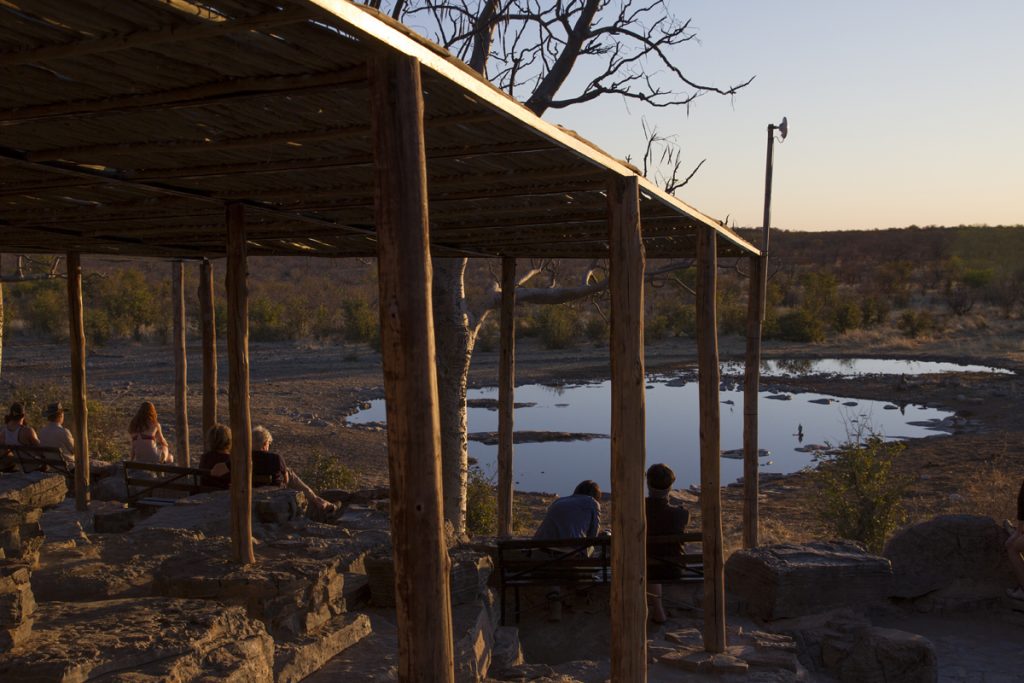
(454, 340)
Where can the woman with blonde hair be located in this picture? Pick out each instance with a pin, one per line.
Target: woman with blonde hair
(148, 444)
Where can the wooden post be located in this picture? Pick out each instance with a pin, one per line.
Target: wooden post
(629, 549)
(506, 395)
(180, 363)
(422, 596)
(710, 438)
(751, 378)
(208, 323)
(79, 404)
(238, 387)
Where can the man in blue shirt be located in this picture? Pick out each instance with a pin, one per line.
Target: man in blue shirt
(575, 516)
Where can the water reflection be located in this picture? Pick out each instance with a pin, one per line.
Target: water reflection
(855, 367)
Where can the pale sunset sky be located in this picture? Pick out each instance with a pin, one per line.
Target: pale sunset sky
(907, 112)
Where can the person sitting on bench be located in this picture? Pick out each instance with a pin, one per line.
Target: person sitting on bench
(664, 560)
(268, 468)
(271, 463)
(148, 444)
(16, 433)
(575, 516)
(55, 435)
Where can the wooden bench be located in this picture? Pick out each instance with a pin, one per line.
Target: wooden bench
(580, 562)
(170, 478)
(41, 459)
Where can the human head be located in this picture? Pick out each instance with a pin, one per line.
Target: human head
(261, 438)
(54, 412)
(660, 477)
(588, 488)
(16, 413)
(144, 419)
(218, 438)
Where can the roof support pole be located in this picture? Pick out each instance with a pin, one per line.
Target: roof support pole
(238, 387)
(208, 325)
(710, 438)
(751, 378)
(629, 549)
(506, 395)
(180, 363)
(422, 595)
(79, 406)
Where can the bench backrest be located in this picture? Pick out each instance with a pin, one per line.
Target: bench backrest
(33, 458)
(172, 478)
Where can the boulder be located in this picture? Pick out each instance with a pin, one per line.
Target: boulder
(17, 605)
(782, 581)
(960, 559)
(111, 486)
(140, 640)
(883, 655)
(22, 499)
(210, 513)
(296, 659)
(33, 490)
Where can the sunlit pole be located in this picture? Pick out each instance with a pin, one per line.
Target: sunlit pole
(783, 129)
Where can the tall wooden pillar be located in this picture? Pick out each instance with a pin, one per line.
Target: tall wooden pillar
(238, 387)
(710, 438)
(79, 404)
(422, 596)
(629, 549)
(208, 323)
(180, 363)
(506, 395)
(751, 379)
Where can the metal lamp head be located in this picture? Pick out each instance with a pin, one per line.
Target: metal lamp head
(783, 128)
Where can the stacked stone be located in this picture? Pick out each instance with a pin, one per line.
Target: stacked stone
(22, 499)
(17, 604)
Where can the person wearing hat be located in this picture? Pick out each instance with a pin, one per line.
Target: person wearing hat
(663, 519)
(54, 434)
(15, 433)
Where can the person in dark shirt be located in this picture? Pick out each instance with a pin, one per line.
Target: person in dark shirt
(217, 460)
(1015, 548)
(664, 560)
(266, 463)
(575, 516)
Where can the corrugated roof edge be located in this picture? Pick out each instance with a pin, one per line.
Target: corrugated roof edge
(383, 29)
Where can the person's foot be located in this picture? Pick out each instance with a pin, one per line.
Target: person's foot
(1016, 593)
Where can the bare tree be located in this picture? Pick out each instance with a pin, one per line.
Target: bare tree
(529, 48)
(26, 269)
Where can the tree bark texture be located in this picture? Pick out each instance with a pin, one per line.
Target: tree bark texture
(629, 550)
(506, 396)
(422, 596)
(180, 364)
(79, 404)
(710, 442)
(455, 340)
(208, 322)
(238, 387)
(751, 379)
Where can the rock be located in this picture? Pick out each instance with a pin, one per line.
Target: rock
(367, 496)
(277, 506)
(143, 639)
(33, 490)
(881, 655)
(959, 559)
(115, 521)
(473, 627)
(298, 658)
(210, 514)
(775, 582)
(507, 651)
(111, 487)
(491, 438)
(17, 605)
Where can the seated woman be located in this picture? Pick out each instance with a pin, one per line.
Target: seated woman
(148, 444)
(1015, 549)
(16, 433)
(217, 460)
(664, 560)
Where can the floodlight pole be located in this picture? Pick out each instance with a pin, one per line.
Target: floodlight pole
(783, 129)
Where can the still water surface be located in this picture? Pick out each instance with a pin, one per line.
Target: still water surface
(785, 425)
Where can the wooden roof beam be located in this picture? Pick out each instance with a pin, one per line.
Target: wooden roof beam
(203, 95)
(175, 33)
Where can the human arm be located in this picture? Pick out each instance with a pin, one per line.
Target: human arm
(27, 436)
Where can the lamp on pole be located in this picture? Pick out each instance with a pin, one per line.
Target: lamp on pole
(783, 129)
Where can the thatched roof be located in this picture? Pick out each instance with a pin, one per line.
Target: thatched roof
(126, 126)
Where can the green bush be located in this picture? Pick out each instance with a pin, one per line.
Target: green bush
(874, 310)
(268, 320)
(861, 496)
(481, 504)
(848, 316)
(361, 323)
(596, 329)
(915, 324)
(488, 338)
(801, 326)
(328, 472)
(558, 326)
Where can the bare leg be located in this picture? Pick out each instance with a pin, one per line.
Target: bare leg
(657, 610)
(1014, 548)
(295, 483)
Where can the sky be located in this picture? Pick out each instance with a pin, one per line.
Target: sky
(901, 113)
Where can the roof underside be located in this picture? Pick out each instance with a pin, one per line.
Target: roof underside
(126, 125)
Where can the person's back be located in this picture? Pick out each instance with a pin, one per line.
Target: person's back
(267, 464)
(54, 434)
(575, 516)
(16, 432)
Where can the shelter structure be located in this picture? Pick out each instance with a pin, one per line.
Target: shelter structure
(188, 130)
